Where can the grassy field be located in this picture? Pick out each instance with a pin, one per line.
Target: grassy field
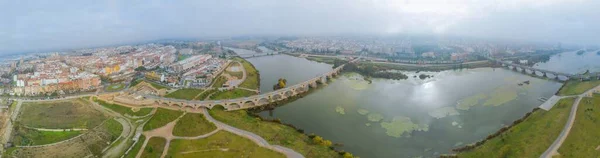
(115, 87)
(154, 148)
(186, 93)
(114, 128)
(157, 86)
(136, 149)
(90, 143)
(161, 118)
(123, 109)
(26, 137)
(529, 138)
(238, 74)
(584, 138)
(218, 83)
(321, 59)
(74, 113)
(214, 146)
(193, 124)
(205, 94)
(252, 77)
(231, 94)
(573, 87)
(276, 134)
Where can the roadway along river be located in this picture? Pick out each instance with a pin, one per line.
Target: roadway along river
(405, 118)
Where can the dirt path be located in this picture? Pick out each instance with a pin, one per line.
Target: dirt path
(9, 125)
(255, 138)
(165, 131)
(553, 149)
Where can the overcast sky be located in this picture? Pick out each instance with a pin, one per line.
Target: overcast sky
(55, 24)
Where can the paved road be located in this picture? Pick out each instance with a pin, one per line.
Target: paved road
(257, 139)
(553, 149)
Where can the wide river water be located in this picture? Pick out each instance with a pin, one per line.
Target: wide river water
(412, 117)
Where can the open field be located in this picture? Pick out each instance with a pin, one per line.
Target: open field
(161, 118)
(231, 94)
(134, 151)
(91, 142)
(584, 138)
(186, 93)
(239, 74)
(123, 109)
(205, 94)
(64, 114)
(276, 134)
(252, 77)
(218, 83)
(529, 138)
(573, 87)
(221, 144)
(154, 148)
(115, 87)
(27, 137)
(193, 124)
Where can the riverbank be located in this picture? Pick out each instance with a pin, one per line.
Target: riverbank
(530, 137)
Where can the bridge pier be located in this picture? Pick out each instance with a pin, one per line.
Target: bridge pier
(544, 74)
(523, 71)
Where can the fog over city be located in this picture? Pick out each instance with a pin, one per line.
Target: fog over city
(27, 25)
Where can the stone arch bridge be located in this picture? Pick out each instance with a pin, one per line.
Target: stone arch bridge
(251, 101)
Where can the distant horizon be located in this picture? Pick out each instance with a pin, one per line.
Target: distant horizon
(215, 38)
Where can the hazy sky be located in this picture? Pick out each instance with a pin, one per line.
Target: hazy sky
(55, 24)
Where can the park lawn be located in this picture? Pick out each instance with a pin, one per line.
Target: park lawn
(252, 76)
(186, 93)
(115, 87)
(154, 148)
(114, 128)
(231, 94)
(64, 114)
(26, 137)
(584, 138)
(136, 148)
(218, 83)
(529, 138)
(275, 133)
(135, 82)
(123, 110)
(212, 146)
(205, 94)
(161, 118)
(157, 86)
(193, 124)
(573, 87)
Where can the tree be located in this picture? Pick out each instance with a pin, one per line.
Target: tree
(327, 143)
(317, 139)
(348, 155)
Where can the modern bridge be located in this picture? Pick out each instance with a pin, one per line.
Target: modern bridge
(524, 69)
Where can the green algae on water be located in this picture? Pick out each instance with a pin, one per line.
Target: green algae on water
(340, 110)
(362, 111)
(443, 112)
(375, 117)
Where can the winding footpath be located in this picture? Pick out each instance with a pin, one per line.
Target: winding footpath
(255, 138)
(553, 149)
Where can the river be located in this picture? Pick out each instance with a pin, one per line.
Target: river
(403, 118)
(570, 62)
